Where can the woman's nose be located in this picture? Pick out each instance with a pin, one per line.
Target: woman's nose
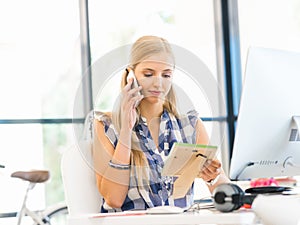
(157, 81)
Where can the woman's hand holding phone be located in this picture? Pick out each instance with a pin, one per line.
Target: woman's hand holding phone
(130, 100)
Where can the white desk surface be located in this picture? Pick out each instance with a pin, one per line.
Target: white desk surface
(204, 216)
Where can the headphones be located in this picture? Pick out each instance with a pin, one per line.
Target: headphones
(229, 197)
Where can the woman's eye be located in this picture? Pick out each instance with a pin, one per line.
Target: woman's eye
(166, 75)
(148, 74)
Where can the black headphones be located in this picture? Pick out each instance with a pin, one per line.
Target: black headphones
(229, 197)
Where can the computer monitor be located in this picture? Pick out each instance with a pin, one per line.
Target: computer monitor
(267, 142)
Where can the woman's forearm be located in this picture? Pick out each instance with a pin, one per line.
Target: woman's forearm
(114, 180)
(122, 151)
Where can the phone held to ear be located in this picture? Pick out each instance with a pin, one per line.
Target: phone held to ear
(134, 85)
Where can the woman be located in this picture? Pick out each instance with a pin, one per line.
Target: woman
(131, 143)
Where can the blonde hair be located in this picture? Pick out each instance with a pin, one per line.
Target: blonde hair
(142, 49)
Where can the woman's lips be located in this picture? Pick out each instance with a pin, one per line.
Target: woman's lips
(155, 93)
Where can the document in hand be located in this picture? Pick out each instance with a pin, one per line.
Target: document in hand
(185, 162)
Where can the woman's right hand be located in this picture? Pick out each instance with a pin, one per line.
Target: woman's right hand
(128, 105)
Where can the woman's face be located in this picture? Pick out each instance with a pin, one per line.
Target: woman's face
(155, 75)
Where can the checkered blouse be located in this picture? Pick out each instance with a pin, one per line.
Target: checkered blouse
(157, 189)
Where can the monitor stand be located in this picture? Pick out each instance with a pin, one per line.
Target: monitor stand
(276, 189)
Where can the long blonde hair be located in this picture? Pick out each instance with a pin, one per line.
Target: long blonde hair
(142, 49)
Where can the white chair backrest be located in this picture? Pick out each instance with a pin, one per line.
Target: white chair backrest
(79, 179)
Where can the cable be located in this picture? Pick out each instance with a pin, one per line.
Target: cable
(242, 170)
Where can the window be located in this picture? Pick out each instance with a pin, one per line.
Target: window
(270, 24)
(40, 70)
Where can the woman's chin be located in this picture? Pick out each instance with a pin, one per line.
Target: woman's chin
(153, 99)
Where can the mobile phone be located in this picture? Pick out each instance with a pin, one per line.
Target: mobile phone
(134, 84)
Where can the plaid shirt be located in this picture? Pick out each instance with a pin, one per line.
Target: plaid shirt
(156, 189)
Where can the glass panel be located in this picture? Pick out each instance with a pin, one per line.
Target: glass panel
(39, 58)
(269, 23)
(27, 147)
(187, 24)
(57, 138)
(21, 149)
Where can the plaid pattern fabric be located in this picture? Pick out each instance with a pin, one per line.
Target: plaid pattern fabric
(155, 189)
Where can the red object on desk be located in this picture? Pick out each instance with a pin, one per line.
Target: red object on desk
(264, 182)
(247, 206)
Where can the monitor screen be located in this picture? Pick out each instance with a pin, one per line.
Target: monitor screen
(267, 142)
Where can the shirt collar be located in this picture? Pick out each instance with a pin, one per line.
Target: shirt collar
(163, 117)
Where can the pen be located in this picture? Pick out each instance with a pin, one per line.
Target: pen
(200, 154)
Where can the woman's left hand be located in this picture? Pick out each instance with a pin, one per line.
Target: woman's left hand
(210, 170)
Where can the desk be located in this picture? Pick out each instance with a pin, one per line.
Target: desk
(243, 217)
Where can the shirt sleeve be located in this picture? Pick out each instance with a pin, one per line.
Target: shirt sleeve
(192, 117)
(109, 128)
